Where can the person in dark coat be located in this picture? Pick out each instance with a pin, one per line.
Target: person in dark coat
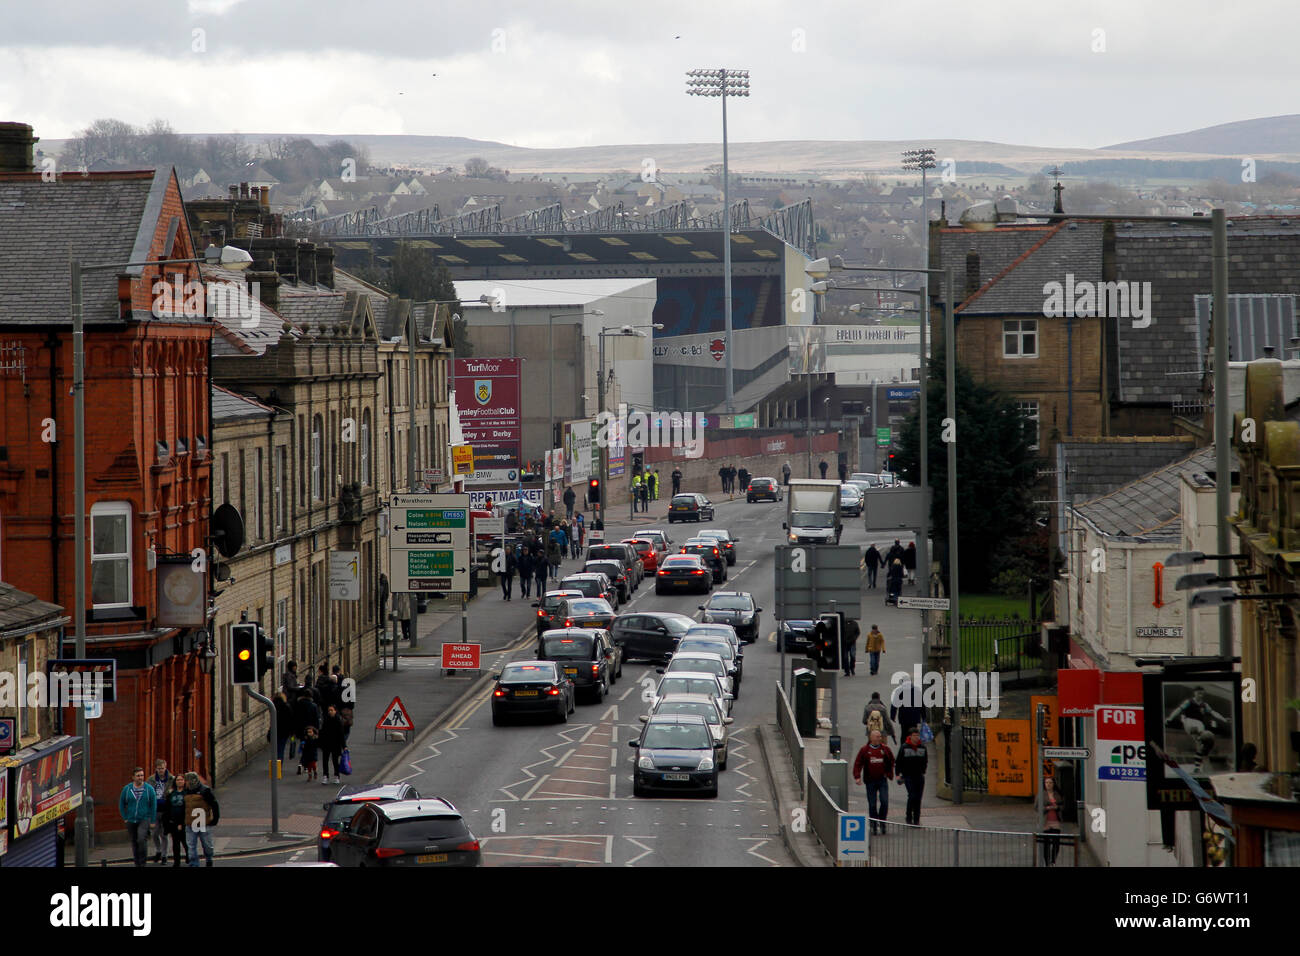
(173, 819)
(289, 682)
(524, 565)
(909, 767)
(873, 562)
(744, 480)
(850, 649)
(570, 496)
(331, 743)
(306, 714)
(722, 476)
(512, 522)
(844, 472)
(906, 706)
(508, 573)
(822, 467)
(677, 480)
(909, 562)
(541, 568)
(894, 581)
(785, 473)
(894, 552)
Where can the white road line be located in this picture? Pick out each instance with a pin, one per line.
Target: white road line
(560, 762)
(609, 848)
(753, 850)
(635, 842)
(613, 783)
(540, 780)
(630, 690)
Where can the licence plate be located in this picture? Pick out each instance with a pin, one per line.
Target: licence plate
(525, 693)
(432, 858)
(570, 670)
(597, 625)
(681, 507)
(677, 776)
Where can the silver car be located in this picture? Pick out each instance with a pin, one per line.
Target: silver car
(706, 707)
(702, 661)
(688, 682)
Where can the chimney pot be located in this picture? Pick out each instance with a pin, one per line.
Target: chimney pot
(16, 148)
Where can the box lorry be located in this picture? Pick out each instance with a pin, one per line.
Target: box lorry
(812, 513)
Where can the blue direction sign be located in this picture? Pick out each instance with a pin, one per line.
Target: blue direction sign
(852, 842)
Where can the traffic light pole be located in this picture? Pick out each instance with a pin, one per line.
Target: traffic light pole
(275, 762)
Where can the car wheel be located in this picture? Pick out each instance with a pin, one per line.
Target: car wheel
(723, 764)
(497, 719)
(712, 794)
(600, 691)
(658, 589)
(637, 790)
(564, 712)
(620, 667)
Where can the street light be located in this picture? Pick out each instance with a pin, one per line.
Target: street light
(723, 83)
(551, 440)
(228, 257)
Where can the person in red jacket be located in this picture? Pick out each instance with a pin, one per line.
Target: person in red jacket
(875, 761)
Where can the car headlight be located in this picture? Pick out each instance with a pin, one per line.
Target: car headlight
(747, 620)
(706, 763)
(646, 763)
(793, 536)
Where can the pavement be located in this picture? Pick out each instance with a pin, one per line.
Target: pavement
(430, 696)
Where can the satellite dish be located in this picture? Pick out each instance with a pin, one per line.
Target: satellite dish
(228, 530)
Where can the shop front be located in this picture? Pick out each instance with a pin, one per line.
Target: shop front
(39, 786)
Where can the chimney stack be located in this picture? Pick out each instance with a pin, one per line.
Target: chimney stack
(972, 273)
(17, 148)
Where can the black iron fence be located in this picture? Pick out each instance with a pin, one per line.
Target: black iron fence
(1008, 646)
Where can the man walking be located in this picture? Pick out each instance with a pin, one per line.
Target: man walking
(876, 718)
(822, 466)
(875, 761)
(138, 804)
(875, 647)
(873, 561)
(896, 552)
(844, 472)
(508, 573)
(911, 764)
(202, 813)
(851, 633)
(722, 475)
(160, 781)
(785, 473)
(569, 498)
(906, 705)
(540, 568)
(636, 492)
(524, 565)
(677, 480)
(654, 485)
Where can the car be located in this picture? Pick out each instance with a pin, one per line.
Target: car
(618, 551)
(663, 543)
(683, 571)
(850, 501)
(736, 608)
(416, 832)
(645, 550)
(712, 555)
(584, 612)
(593, 584)
(702, 706)
(716, 632)
(690, 507)
(675, 752)
(617, 573)
(344, 806)
(861, 485)
(693, 682)
(763, 489)
(532, 687)
(649, 635)
(549, 605)
(795, 635)
(871, 480)
(725, 541)
(589, 658)
(693, 662)
(723, 648)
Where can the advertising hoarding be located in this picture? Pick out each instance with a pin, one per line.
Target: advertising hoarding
(488, 406)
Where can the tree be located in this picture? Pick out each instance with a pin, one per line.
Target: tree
(995, 473)
(476, 167)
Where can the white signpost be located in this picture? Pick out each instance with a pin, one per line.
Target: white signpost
(345, 576)
(428, 543)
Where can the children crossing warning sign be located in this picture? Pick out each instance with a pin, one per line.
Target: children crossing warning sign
(395, 717)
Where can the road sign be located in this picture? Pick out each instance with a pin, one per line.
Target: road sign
(830, 572)
(345, 576)
(395, 717)
(1065, 753)
(428, 543)
(852, 842)
(461, 656)
(462, 460)
(884, 436)
(493, 526)
(924, 603)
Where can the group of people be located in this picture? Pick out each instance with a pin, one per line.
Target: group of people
(179, 806)
(876, 763)
(539, 551)
(645, 488)
(315, 720)
(729, 475)
(899, 564)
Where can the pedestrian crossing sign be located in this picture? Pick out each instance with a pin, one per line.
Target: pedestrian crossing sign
(395, 717)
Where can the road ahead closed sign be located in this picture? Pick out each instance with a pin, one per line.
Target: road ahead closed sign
(461, 656)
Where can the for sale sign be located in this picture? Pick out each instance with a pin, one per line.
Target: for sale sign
(1121, 744)
(461, 656)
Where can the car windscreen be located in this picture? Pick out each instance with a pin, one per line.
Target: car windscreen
(699, 708)
(520, 673)
(343, 812)
(677, 626)
(691, 645)
(424, 830)
(688, 500)
(688, 685)
(589, 588)
(722, 632)
(762, 483)
(677, 737)
(589, 606)
(706, 664)
(682, 561)
(812, 519)
(730, 602)
(569, 648)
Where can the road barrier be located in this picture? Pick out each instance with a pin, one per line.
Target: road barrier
(823, 814)
(790, 731)
(905, 845)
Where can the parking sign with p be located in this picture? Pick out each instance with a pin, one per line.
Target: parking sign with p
(852, 844)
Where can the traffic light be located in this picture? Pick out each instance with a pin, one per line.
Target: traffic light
(890, 466)
(243, 654)
(593, 491)
(265, 653)
(826, 642)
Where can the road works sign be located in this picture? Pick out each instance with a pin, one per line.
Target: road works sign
(810, 577)
(461, 656)
(428, 543)
(395, 717)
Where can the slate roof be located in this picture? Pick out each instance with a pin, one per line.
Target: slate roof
(1089, 469)
(1148, 508)
(103, 217)
(228, 406)
(20, 610)
(1069, 248)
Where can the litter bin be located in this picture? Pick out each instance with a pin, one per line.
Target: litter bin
(805, 702)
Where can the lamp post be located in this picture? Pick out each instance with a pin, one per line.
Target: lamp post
(723, 83)
(228, 257)
(922, 159)
(550, 344)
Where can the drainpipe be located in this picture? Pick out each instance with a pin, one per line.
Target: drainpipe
(1128, 604)
(52, 341)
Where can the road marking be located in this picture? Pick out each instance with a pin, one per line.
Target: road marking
(435, 752)
(635, 842)
(560, 762)
(613, 785)
(753, 850)
(631, 690)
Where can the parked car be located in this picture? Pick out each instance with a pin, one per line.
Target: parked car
(736, 608)
(683, 571)
(584, 612)
(418, 832)
(675, 752)
(622, 552)
(532, 687)
(711, 554)
(645, 550)
(649, 635)
(588, 657)
(549, 605)
(616, 571)
(690, 507)
(344, 806)
(701, 705)
(593, 584)
(763, 489)
(725, 541)
(850, 500)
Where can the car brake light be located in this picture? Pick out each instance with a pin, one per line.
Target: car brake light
(568, 623)
(554, 692)
(664, 571)
(595, 668)
(328, 833)
(470, 847)
(386, 851)
(697, 571)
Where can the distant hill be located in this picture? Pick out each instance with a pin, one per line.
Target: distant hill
(1268, 136)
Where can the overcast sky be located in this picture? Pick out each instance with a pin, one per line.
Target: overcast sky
(547, 73)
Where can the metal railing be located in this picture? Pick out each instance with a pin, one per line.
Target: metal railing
(793, 742)
(906, 845)
(979, 643)
(823, 814)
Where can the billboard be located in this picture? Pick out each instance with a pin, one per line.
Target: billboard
(44, 786)
(578, 446)
(1195, 718)
(487, 403)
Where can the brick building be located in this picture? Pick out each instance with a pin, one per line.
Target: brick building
(146, 442)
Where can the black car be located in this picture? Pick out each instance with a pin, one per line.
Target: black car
(763, 489)
(725, 541)
(795, 635)
(622, 552)
(675, 752)
(679, 571)
(617, 571)
(736, 608)
(584, 612)
(417, 832)
(649, 635)
(532, 687)
(711, 554)
(345, 804)
(549, 605)
(690, 507)
(594, 584)
(589, 658)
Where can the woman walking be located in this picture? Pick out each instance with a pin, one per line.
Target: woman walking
(173, 819)
(1049, 807)
(331, 743)
(909, 562)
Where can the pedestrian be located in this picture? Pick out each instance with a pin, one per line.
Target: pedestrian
(540, 568)
(289, 682)
(173, 815)
(731, 480)
(523, 565)
(654, 485)
(160, 780)
(785, 473)
(875, 716)
(507, 573)
(894, 582)
(285, 726)
(559, 546)
(909, 562)
(138, 805)
(844, 472)
(851, 634)
(875, 762)
(645, 495)
(636, 492)
(822, 466)
(548, 522)
(875, 647)
(307, 718)
(722, 475)
(911, 763)
(322, 684)
(677, 480)
(331, 743)
(873, 561)
(571, 531)
(906, 705)
(580, 526)
(512, 522)
(310, 752)
(744, 480)
(895, 552)
(570, 496)
(1049, 804)
(202, 813)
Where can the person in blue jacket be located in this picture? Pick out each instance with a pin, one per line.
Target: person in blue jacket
(138, 804)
